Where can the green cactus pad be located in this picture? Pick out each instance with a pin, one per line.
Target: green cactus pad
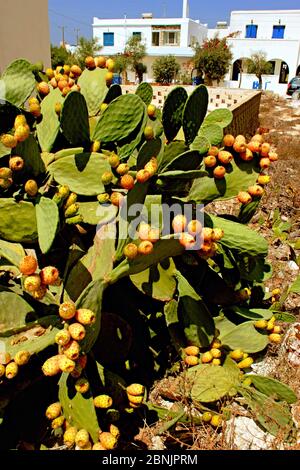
(212, 132)
(48, 128)
(120, 120)
(145, 92)
(194, 113)
(147, 151)
(171, 151)
(12, 252)
(190, 160)
(157, 281)
(210, 384)
(13, 311)
(75, 119)
(223, 117)
(93, 87)
(66, 152)
(242, 175)
(245, 337)
(200, 143)
(126, 149)
(76, 170)
(193, 314)
(47, 217)
(8, 113)
(18, 82)
(17, 221)
(113, 93)
(273, 388)
(93, 213)
(173, 112)
(29, 151)
(78, 409)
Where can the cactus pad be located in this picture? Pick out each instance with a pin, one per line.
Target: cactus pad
(48, 128)
(17, 221)
(145, 92)
(93, 87)
(173, 112)
(194, 113)
(113, 93)
(47, 217)
(18, 82)
(75, 119)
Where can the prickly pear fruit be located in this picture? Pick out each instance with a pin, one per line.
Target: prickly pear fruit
(43, 88)
(216, 353)
(255, 190)
(20, 120)
(51, 366)
(98, 446)
(276, 329)
(261, 324)
(53, 411)
(192, 350)
(85, 316)
(66, 364)
(63, 337)
(103, 401)
(206, 417)
(271, 323)
(216, 344)
(275, 338)
(76, 373)
(245, 363)
(135, 400)
(69, 436)
(5, 173)
(32, 283)
(35, 110)
(217, 234)
(127, 182)
(130, 251)
(58, 422)
(95, 146)
(82, 385)
(100, 62)
(149, 133)
(191, 360)
(71, 210)
(219, 172)
(22, 133)
(72, 350)
(108, 441)
(228, 140)
(76, 71)
(225, 157)
(40, 293)
(210, 161)
(114, 160)
(135, 389)
(216, 421)
(103, 198)
(110, 65)
(151, 110)
(117, 199)
(122, 169)
(2, 370)
(206, 357)
(9, 141)
(179, 223)
(237, 354)
(273, 157)
(264, 163)
(11, 370)
(28, 265)
(82, 438)
(16, 163)
(194, 227)
(216, 361)
(64, 191)
(76, 219)
(187, 241)
(145, 248)
(107, 178)
(6, 183)
(244, 197)
(5, 358)
(49, 275)
(152, 166)
(77, 331)
(22, 357)
(90, 63)
(31, 188)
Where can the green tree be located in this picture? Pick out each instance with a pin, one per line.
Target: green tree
(86, 47)
(121, 64)
(60, 56)
(259, 65)
(135, 51)
(165, 69)
(213, 59)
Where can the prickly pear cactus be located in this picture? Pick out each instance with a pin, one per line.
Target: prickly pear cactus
(17, 82)
(194, 113)
(94, 88)
(145, 92)
(173, 112)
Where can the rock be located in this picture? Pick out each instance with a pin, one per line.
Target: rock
(291, 345)
(244, 433)
(293, 266)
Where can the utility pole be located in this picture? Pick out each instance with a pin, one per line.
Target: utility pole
(164, 10)
(63, 35)
(77, 35)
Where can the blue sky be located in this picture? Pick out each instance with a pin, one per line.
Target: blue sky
(78, 14)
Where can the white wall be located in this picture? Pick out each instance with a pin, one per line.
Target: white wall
(220, 32)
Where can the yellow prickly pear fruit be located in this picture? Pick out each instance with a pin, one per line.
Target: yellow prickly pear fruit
(82, 385)
(22, 357)
(192, 350)
(77, 331)
(98, 446)
(62, 337)
(110, 65)
(82, 438)
(275, 338)
(130, 251)
(216, 353)
(35, 110)
(151, 110)
(247, 382)
(85, 316)
(2, 370)
(20, 120)
(206, 417)
(67, 310)
(135, 389)
(95, 146)
(276, 329)
(245, 355)
(22, 133)
(32, 283)
(9, 141)
(245, 363)
(5, 358)
(206, 357)
(135, 400)
(66, 364)
(216, 421)
(72, 350)
(114, 430)
(103, 401)
(108, 440)
(11, 370)
(69, 436)
(72, 198)
(216, 362)
(271, 324)
(58, 422)
(191, 360)
(149, 133)
(40, 293)
(237, 354)
(261, 324)
(53, 411)
(51, 366)
(31, 188)
(216, 344)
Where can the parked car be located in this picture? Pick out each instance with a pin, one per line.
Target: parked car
(293, 85)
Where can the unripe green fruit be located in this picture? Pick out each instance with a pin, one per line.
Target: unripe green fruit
(77, 219)
(149, 133)
(107, 178)
(72, 198)
(64, 191)
(103, 198)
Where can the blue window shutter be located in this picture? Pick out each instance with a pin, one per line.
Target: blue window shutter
(251, 31)
(108, 39)
(278, 32)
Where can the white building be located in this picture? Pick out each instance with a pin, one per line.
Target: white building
(162, 36)
(277, 33)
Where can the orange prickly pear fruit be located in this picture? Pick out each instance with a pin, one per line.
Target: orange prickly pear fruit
(22, 357)
(179, 223)
(130, 251)
(85, 316)
(77, 331)
(213, 151)
(191, 360)
(67, 310)
(210, 161)
(192, 350)
(228, 140)
(28, 265)
(145, 248)
(219, 172)
(49, 275)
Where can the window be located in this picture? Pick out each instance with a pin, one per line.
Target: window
(137, 35)
(171, 38)
(251, 31)
(108, 39)
(278, 32)
(155, 38)
(273, 63)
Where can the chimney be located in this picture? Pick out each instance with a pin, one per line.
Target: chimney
(185, 9)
